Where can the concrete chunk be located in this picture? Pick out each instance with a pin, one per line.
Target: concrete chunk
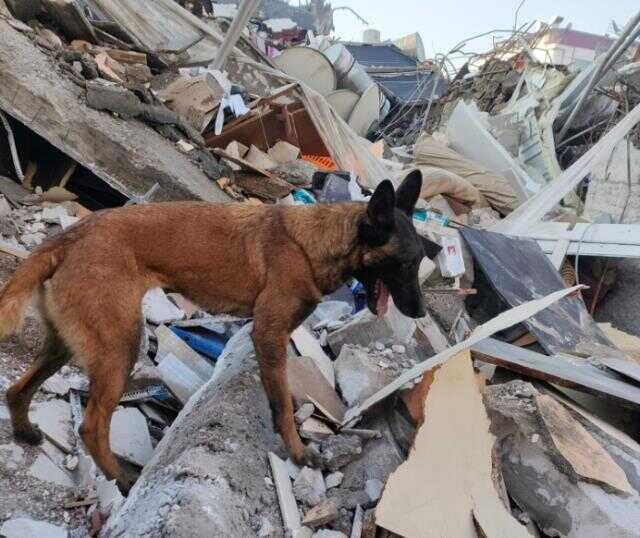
(339, 450)
(315, 430)
(305, 412)
(358, 375)
(23, 527)
(159, 309)
(321, 514)
(129, 436)
(47, 471)
(308, 487)
(54, 420)
(334, 479)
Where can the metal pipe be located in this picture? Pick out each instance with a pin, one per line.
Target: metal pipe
(613, 53)
(243, 15)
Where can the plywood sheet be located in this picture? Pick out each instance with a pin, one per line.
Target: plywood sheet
(577, 446)
(519, 271)
(447, 477)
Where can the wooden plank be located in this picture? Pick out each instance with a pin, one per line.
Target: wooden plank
(519, 271)
(308, 345)
(588, 460)
(284, 490)
(502, 321)
(578, 375)
(447, 476)
(626, 342)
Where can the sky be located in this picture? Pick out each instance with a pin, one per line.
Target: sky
(444, 24)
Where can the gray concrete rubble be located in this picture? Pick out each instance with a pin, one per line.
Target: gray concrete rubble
(205, 477)
(555, 501)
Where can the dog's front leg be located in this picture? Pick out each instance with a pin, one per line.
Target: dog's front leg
(271, 331)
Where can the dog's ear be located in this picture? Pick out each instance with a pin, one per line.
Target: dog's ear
(377, 228)
(408, 193)
(431, 249)
(381, 206)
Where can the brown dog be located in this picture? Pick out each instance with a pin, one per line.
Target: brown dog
(273, 263)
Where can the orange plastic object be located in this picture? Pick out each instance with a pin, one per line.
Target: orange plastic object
(321, 162)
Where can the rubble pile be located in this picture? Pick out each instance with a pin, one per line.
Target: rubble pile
(506, 411)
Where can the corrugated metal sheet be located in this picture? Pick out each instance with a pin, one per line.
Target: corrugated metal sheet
(411, 88)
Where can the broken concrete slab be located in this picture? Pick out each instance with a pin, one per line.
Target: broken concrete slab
(54, 420)
(47, 471)
(359, 375)
(334, 479)
(339, 450)
(304, 412)
(206, 463)
(24, 527)
(559, 504)
(35, 93)
(129, 436)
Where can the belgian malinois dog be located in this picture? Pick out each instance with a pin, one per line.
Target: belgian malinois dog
(272, 263)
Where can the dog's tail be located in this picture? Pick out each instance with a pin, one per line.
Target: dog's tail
(28, 278)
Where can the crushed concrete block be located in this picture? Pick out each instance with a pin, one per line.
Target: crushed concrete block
(333, 480)
(260, 159)
(23, 527)
(54, 214)
(339, 450)
(363, 329)
(304, 413)
(308, 487)
(358, 375)
(129, 436)
(374, 489)
(327, 533)
(54, 420)
(348, 498)
(56, 384)
(158, 309)
(344, 521)
(321, 514)
(11, 457)
(315, 430)
(47, 471)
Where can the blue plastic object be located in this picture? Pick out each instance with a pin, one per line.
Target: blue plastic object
(208, 344)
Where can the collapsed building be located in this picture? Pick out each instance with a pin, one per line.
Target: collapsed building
(510, 409)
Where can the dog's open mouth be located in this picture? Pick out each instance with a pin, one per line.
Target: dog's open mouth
(381, 298)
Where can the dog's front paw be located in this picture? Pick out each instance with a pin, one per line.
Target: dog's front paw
(311, 456)
(29, 434)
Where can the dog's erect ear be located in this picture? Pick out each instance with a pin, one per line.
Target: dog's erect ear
(408, 193)
(377, 228)
(431, 249)
(381, 206)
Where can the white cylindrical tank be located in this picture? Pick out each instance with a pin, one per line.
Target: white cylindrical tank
(371, 35)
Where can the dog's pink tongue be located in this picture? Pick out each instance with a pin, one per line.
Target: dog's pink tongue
(382, 303)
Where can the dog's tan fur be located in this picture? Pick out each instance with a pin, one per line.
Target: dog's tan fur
(273, 263)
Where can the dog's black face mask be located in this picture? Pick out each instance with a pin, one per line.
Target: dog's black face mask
(391, 265)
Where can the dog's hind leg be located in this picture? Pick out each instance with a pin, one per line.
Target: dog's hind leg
(53, 356)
